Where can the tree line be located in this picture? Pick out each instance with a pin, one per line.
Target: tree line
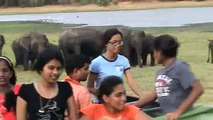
(35, 3)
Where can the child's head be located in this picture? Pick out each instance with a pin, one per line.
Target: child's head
(165, 46)
(112, 92)
(110, 33)
(46, 56)
(77, 66)
(7, 72)
(113, 40)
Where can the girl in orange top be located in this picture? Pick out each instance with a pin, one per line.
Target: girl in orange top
(113, 96)
(8, 91)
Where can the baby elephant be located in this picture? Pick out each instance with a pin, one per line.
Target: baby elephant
(2, 42)
(27, 47)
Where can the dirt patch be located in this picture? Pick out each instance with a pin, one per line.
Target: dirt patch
(120, 6)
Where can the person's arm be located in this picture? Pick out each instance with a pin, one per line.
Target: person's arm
(142, 116)
(21, 109)
(150, 97)
(132, 83)
(196, 92)
(91, 81)
(84, 99)
(72, 112)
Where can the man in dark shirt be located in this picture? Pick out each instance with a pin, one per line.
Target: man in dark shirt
(176, 88)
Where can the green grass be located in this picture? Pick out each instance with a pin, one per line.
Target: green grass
(193, 50)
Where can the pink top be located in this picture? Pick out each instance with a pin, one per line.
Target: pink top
(4, 115)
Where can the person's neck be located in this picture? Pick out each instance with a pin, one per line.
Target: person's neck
(47, 85)
(110, 56)
(169, 61)
(73, 77)
(110, 109)
(4, 89)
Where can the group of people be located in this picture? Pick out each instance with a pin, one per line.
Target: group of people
(104, 97)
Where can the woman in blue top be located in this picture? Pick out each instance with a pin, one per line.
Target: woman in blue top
(111, 63)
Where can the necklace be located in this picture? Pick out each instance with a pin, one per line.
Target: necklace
(42, 108)
(49, 101)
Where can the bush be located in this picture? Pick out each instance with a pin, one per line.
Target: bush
(40, 3)
(2, 2)
(84, 2)
(8, 3)
(102, 2)
(31, 3)
(24, 3)
(51, 2)
(114, 2)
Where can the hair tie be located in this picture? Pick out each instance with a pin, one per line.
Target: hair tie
(6, 59)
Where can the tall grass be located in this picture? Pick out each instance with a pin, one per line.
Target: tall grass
(193, 50)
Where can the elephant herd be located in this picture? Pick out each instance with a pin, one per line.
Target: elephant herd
(87, 41)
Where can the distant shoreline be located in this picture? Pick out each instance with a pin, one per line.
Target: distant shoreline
(120, 6)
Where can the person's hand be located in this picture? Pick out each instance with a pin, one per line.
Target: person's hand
(173, 115)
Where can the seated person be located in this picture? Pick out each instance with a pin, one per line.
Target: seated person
(77, 69)
(113, 96)
(176, 86)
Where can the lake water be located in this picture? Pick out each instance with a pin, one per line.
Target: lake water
(135, 18)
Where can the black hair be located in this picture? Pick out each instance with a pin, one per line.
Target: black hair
(167, 44)
(75, 61)
(47, 55)
(107, 86)
(10, 100)
(109, 34)
(10, 66)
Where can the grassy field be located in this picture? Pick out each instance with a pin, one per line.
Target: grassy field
(193, 39)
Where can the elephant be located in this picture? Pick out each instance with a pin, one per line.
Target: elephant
(210, 53)
(2, 42)
(27, 48)
(141, 45)
(148, 48)
(51, 45)
(84, 41)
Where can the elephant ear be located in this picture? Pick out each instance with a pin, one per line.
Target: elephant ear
(25, 42)
(142, 34)
(46, 40)
(2, 39)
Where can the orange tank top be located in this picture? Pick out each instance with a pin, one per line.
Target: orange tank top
(98, 111)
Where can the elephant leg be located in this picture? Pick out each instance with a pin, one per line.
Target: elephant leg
(139, 60)
(17, 56)
(138, 48)
(212, 55)
(152, 59)
(26, 61)
(144, 58)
